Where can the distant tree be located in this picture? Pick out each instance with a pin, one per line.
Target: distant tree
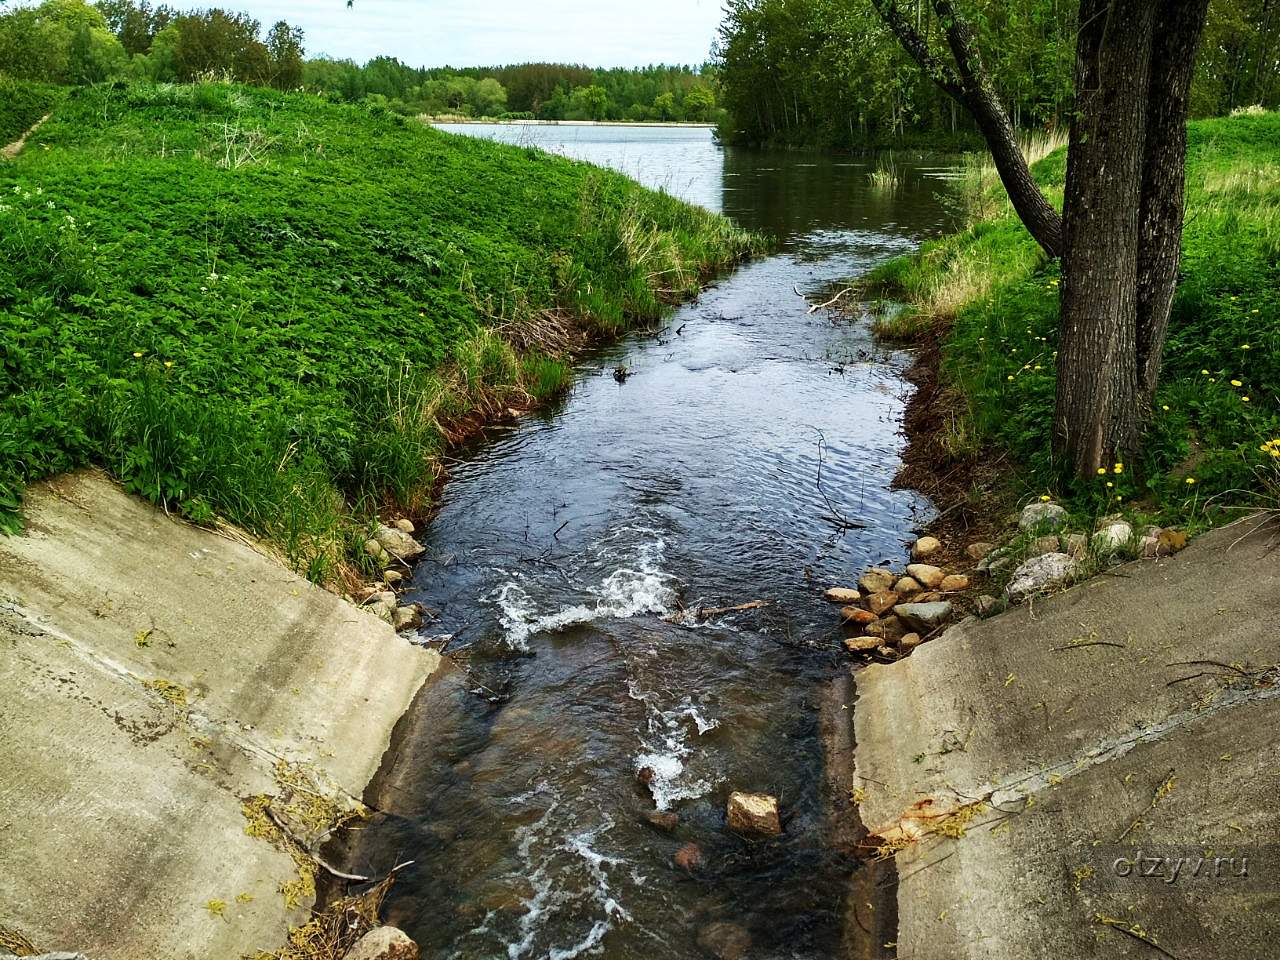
(699, 104)
(592, 102)
(135, 24)
(216, 43)
(284, 47)
(664, 106)
(489, 98)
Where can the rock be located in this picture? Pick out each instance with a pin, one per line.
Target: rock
(392, 577)
(384, 943)
(1113, 537)
(376, 550)
(1042, 516)
(407, 618)
(1077, 546)
(399, 544)
(890, 628)
(645, 776)
(754, 814)
(404, 526)
(1043, 545)
(724, 941)
(999, 559)
(887, 652)
(927, 575)
(908, 643)
(930, 596)
(987, 606)
(907, 586)
(1150, 547)
(861, 644)
(976, 551)
(878, 603)
(1172, 541)
(689, 857)
(663, 819)
(876, 580)
(924, 617)
(382, 605)
(954, 583)
(1040, 573)
(925, 547)
(843, 595)
(856, 616)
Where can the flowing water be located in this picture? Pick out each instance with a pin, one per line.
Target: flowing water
(567, 548)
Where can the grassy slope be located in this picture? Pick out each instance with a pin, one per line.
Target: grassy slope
(270, 308)
(1000, 352)
(21, 104)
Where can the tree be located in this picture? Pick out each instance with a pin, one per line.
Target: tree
(489, 98)
(591, 102)
(284, 47)
(1120, 235)
(699, 103)
(664, 106)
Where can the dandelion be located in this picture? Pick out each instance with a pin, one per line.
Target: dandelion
(168, 364)
(137, 354)
(1213, 379)
(1011, 376)
(1191, 481)
(1119, 498)
(1204, 373)
(1038, 366)
(1110, 485)
(1254, 312)
(1045, 498)
(1245, 346)
(1236, 383)
(1244, 399)
(1102, 471)
(1164, 407)
(1119, 468)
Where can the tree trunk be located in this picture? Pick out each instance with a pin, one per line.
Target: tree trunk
(1097, 417)
(1177, 35)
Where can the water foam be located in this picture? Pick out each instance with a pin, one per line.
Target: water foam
(667, 747)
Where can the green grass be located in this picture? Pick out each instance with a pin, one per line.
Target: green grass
(22, 103)
(1001, 296)
(275, 310)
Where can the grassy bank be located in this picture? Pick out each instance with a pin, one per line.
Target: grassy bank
(991, 297)
(275, 310)
(22, 104)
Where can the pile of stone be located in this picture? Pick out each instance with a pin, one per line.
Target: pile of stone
(894, 612)
(394, 548)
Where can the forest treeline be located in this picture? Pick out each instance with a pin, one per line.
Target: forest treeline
(73, 42)
(830, 73)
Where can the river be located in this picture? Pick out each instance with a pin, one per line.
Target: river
(567, 545)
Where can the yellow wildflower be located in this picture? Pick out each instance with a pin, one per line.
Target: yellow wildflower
(1244, 399)
(1245, 346)
(1119, 468)
(1236, 383)
(1102, 471)
(1164, 407)
(1204, 372)
(1045, 498)
(1190, 481)
(137, 354)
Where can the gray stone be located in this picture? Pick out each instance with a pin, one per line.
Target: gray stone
(997, 560)
(924, 617)
(384, 943)
(407, 618)
(1113, 537)
(399, 544)
(1038, 574)
(987, 606)
(376, 550)
(1042, 516)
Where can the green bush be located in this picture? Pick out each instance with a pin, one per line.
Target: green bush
(22, 103)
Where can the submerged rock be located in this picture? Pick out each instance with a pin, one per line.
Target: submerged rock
(724, 941)
(663, 819)
(1040, 573)
(384, 943)
(689, 857)
(924, 617)
(754, 814)
(399, 544)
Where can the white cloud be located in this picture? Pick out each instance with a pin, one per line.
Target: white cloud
(490, 32)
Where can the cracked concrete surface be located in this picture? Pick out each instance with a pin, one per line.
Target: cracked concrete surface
(154, 675)
(1064, 720)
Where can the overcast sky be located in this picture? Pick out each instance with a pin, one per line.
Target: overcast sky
(486, 32)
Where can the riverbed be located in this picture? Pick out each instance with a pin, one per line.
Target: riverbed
(747, 455)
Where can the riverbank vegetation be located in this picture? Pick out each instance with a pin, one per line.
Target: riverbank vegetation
(73, 42)
(992, 296)
(275, 310)
(829, 73)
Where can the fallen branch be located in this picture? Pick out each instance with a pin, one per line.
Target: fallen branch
(1132, 930)
(832, 302)
(1090, 643)
(315, 857)
(705, 613)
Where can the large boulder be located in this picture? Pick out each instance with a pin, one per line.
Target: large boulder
(398, 544)
(1042, 517)
(754, 814)
(926, 574)
(923, 618)
(384, 943)
(1038, 574)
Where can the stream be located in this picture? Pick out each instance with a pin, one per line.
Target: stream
(568, 545)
